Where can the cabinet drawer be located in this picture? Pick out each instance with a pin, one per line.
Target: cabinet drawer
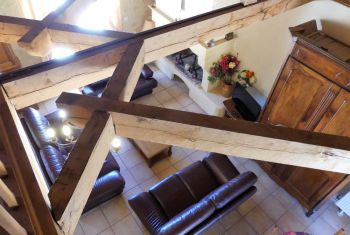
(319, 62)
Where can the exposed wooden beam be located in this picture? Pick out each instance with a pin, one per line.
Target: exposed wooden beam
(10, 224)
(158, 42)
(124, 79)
(232, 137)
(12, 29)
(50, 82)
(70, 192)
(37, 40)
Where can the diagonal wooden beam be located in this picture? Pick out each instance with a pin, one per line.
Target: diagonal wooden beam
(37, 40)
(208, 133)
(70, 192)
(124, 79)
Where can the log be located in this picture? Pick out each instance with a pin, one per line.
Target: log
(124, 79)
(10, 225)
(7, 195)
(227, 136)
(70, 192)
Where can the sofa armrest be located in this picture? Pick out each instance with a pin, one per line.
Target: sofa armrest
(148, 211)
(188, 219)
(146, 72)
(221, 167)
(232, 189)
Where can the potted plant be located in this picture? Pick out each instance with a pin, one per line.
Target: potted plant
(223, 70)
(246, 78)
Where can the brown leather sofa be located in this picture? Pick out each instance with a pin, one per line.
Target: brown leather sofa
(189, 201)
(144, 86)
(109, 182)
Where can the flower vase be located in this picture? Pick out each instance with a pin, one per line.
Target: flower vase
(227, 90)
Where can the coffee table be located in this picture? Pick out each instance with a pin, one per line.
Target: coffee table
(153, 152)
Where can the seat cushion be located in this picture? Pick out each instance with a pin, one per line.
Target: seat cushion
(37, 125)
(172, 195)
(110, 164)
(198, 180)
(221, 167)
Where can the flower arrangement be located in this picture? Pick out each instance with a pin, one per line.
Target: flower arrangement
(246, 78)
(224, 69)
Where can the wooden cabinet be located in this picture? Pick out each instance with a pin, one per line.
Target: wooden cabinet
(307, 99)
(300, 98)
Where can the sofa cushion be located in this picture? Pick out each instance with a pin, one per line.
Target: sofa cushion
(221, 167)
(53, 161)
(188, 219)
(232, 189)
(146, 72)
(198, 180)
(172, 195)
(110, 164)
(37, 125)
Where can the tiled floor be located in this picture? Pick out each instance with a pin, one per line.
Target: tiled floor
(270, 211)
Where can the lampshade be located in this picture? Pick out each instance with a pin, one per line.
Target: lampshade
(62, 113)
(66, 130)
(116, 143)
(50, 132)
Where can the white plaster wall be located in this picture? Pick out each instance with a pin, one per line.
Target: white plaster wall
(134, 13)
(263, 47)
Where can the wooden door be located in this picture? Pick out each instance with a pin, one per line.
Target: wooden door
(300, 97)
(8, 60)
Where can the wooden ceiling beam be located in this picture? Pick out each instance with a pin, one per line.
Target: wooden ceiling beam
(37, 40)
(49, 79)
(12, 29)
(124, 79)
(71, 190)
(228, 136)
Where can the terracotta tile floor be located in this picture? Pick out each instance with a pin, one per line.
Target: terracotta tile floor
(270, 209)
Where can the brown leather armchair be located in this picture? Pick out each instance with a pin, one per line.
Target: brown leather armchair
(189, 201)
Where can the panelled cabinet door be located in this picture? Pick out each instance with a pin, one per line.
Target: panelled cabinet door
(300, 98)
(8, 60)
(318, 184)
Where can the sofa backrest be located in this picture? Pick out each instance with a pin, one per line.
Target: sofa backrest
(37, 125)
(53, 161)
(183, 189)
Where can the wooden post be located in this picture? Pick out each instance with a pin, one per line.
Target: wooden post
(70, 192)
(10, 224)
(7, 195)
